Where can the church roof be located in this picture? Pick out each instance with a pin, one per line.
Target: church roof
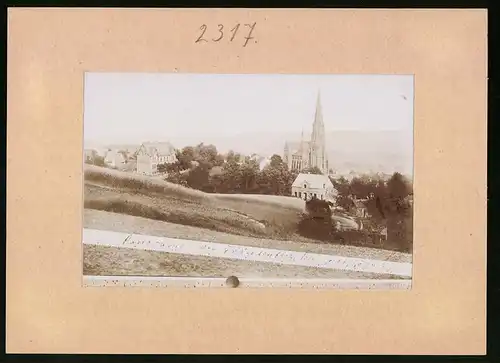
(315, 181)
(162, 148)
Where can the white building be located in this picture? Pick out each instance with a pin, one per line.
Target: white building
(151, 154)
(114, 159)
(308, 186)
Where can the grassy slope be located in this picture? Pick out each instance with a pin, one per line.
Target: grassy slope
(257, 216)
(265, 216)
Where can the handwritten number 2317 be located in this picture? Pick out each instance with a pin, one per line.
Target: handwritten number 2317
(221, 34)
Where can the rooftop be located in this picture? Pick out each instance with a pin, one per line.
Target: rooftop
(312, 180)
(162, 148)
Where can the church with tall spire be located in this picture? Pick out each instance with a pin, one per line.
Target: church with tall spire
(305, 154)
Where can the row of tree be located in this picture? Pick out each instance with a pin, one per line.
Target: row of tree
(388, 202)
(318, 225)
(202, 167)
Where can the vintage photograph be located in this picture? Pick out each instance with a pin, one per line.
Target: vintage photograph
(246, 179)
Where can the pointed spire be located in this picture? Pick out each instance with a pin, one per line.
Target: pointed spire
(318, 117)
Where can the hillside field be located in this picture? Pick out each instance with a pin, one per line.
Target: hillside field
(267, 216)
(120, 201)
(245, 215)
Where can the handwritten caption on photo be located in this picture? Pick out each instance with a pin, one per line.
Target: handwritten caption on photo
(204, 33)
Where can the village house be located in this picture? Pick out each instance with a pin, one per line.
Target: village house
(89, 155)
(151, 154)
(360, 208)
(308, 186)
(115, 159)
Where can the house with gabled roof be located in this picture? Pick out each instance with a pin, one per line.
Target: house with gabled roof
(151, 154)
(115, 159)
(307, 186)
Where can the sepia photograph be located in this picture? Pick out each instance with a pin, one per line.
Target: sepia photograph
(250, 180)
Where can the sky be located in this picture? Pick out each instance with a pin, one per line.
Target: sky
(130, 108)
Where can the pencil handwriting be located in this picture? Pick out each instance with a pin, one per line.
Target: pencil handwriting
(218, 33)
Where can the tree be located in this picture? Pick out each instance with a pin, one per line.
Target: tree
(232, 175)
(198, 178)
(233, 157)
(398, 187)
(362, 187)
(185, 158)
(99, 160)
(276, 161)
(317, 222)
(249, 171)
(275, 178)
(217, 183)
(343, 188)
(377, 201)
(207, 154)
(389, 206)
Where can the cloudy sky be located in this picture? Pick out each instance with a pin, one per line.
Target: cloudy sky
(189, 108)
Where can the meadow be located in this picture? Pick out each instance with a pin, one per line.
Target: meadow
(125, 202)
(247, 215)
(265, 216)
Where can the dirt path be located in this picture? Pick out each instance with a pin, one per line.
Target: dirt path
(123, 223)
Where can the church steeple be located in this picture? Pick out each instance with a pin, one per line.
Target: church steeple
(318, 126)
(318, 152)
(311, 152)
(318, 117)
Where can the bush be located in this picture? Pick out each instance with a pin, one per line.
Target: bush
(317, 222)
(317, 208)
(316, 228)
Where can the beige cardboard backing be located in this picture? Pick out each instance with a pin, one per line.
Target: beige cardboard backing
(49, 311)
